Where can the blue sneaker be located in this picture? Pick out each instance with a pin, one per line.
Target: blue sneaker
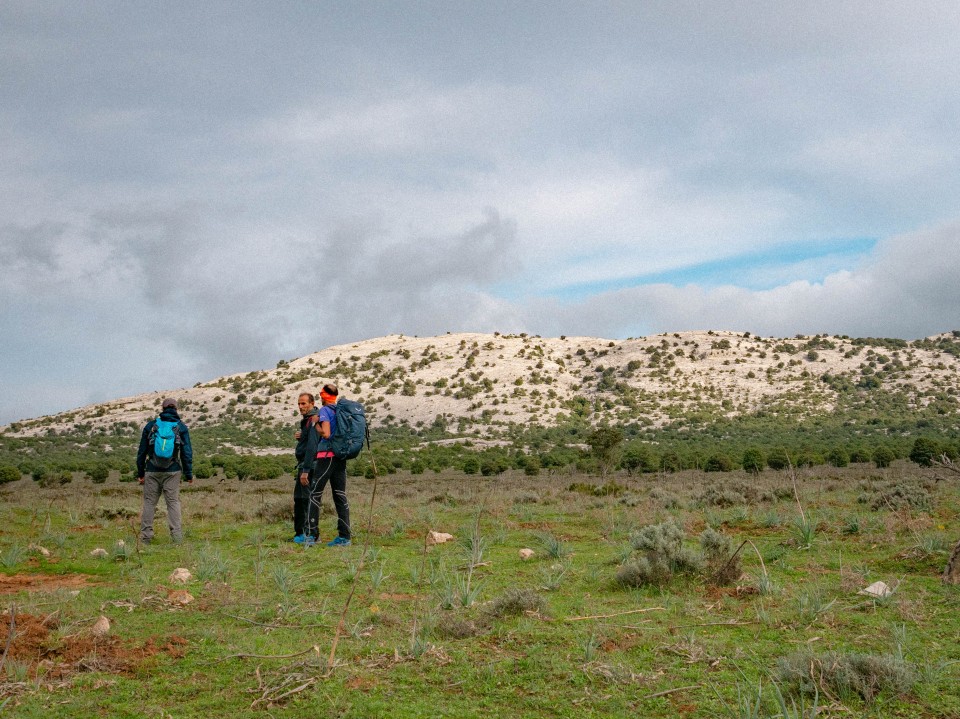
(309, 541)
(300, 539)
(338, 542)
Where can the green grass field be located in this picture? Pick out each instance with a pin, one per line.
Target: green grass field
(468, 628)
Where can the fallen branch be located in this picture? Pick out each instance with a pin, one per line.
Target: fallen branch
(275, 626)
(712, 624)
(314, 649)
(671, 691)
(618, 614)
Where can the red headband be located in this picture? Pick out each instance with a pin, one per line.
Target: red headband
(327, 397)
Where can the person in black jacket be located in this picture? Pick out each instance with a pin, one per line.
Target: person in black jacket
(162, 476)
(307, 440)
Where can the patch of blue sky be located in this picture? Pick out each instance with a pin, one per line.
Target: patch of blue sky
(762, 270)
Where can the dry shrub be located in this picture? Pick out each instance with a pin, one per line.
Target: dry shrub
(515, 602)
(846, 673)
(720, 565)
(661, 555)
(453, 627)
(899, 495)
(276, 511)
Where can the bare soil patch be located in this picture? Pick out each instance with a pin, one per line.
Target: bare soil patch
(11, 584)
(56, 656)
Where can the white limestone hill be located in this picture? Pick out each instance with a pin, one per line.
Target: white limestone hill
(496, 379)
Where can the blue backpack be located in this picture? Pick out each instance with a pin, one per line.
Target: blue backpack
(351, 430)
(165, 440)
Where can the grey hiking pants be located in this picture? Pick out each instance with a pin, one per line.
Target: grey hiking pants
(155, 484)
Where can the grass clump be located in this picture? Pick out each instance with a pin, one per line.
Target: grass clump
(515, 602)
(846, 674)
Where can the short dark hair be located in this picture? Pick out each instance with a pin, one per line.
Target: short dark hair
(308, 395)
(331, 389)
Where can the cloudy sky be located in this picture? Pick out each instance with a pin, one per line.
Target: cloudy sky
(193, 189)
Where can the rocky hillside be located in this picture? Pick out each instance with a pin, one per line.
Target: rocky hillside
(482, 379)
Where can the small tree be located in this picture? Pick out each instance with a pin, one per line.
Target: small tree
(9, 473)
(883, 456)
(925, 451)
(604, 447)
(753, 460)
(838, 457)
(718, 462)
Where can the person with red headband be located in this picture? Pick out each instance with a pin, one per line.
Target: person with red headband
(328, 468)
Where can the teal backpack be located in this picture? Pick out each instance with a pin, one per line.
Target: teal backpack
(351, 429)
(165, 440)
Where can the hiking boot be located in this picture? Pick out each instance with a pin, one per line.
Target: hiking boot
(299, 539)
(309, 541)
(338, 542)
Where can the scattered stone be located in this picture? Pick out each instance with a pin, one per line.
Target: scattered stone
(42, 551)
(99, 552)
(180, 575)
(877, 589)
(179, 596)
(526, 554)
(438, 537)
(101, 627)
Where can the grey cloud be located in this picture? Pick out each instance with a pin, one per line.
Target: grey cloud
(908, 289)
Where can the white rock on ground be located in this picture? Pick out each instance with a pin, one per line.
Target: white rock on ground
(877, 589)
(180, 575)
(99, 552)
(438, 537)
(101, 627)
(526, 554)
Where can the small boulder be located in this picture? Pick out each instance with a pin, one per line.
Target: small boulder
(99, 553)
(438, 537)
(179, 596)
(42, 551)
(877, 589)
(526, 554)
(101, 627)
(180, 575)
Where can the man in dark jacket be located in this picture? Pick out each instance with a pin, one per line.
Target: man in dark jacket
(307, 440)
(160, 475)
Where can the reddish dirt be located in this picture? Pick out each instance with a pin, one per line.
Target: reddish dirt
(61, 656)
(41, 582)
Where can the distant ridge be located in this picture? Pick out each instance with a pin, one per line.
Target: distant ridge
(497, 379)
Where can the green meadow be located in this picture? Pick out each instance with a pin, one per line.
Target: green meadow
(692, 594)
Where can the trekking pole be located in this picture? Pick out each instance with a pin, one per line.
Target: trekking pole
(353, 584)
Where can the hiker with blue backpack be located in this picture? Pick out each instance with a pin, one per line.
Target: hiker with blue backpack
(164, 455)
(327, 438)
(328, 468)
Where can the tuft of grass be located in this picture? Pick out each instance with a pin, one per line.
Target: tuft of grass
(552, 546)
(13, 555)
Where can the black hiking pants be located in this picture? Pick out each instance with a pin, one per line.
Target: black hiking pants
(333, 471)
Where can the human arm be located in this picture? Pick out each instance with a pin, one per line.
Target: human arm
(186, 454)
(142, 453)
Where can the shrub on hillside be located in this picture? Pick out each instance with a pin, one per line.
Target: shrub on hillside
(718, 462)
(753, 460)
(9, 473)
(838, 457)
(883, 456)
(925, 450)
